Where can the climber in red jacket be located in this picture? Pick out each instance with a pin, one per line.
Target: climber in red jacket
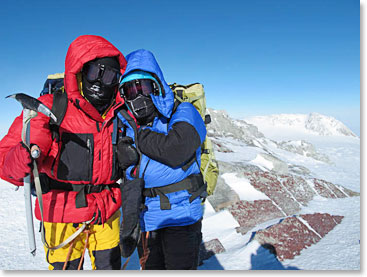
(78, 168)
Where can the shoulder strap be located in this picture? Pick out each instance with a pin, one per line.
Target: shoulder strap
(59, 106)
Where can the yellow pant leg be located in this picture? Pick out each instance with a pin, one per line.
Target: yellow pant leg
(104, 243)
(55, 234)
(104, 239)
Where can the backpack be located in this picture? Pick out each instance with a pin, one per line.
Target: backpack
(194, 93)
(54, 82)
(55, 85)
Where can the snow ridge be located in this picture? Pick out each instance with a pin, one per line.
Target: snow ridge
(313, 123)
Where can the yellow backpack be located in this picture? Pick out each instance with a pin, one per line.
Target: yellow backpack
(194, 93)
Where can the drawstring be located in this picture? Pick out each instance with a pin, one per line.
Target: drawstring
(144, 240)
(69, 254)
(88, 232)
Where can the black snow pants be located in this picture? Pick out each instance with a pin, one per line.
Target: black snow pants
(173, 247)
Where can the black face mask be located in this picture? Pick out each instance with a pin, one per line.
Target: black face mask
(100, 96)
(96, 92)
(143, 109)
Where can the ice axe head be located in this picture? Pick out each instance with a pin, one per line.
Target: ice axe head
(31, 103)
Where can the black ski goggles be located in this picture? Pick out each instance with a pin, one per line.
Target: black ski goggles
(107, 75)
(130, 90)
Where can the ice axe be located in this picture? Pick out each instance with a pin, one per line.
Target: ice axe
(31, 107)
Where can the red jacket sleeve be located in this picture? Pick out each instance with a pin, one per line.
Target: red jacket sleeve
(40, 134)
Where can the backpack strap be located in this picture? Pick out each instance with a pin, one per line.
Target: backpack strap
(59, 106)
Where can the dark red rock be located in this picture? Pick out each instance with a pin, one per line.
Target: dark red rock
(322, 223)
(298, 188)
(292, 235)
(249, 214)
(209, 249)
(327, 189)
(269, 184)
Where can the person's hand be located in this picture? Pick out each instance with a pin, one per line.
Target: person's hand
(18, 162)
(127, 154)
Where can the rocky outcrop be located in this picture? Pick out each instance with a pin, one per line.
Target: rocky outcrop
(224, 126)
(287, 194)
(249, 214)
(269, 184)
(277, 165)
(303, 148)
(329, 190)
(209, 249)
(224, 196)
(293, 234)
(220, 147)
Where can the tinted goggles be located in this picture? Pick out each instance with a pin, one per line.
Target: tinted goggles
(130, 90)
(105, 74)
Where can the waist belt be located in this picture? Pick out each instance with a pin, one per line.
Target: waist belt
(48, 184)
(194, 184)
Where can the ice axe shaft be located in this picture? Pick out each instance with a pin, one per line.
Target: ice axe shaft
(31, 107)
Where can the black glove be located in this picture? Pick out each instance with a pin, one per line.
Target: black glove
(132, 199)
(127, 154)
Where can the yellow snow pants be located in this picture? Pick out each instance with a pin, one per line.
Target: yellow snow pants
(103, 246)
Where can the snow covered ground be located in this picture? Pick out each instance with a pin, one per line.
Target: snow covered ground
(340, 249)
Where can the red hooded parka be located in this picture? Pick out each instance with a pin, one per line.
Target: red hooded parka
(84, 154)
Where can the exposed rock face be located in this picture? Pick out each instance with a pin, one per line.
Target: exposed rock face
(278, 166)
(220, 147)
(329, 190)
(298, 188)
(299, 170)
(303, 148)
(287, 193)
(293, 234)
(223, 196)
(209, 249)
(249, 214)
(224, 126)
(269, 184)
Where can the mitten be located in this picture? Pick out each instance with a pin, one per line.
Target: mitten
(18, 162)
(127, 154)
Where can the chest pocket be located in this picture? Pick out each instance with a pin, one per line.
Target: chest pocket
(76, 157)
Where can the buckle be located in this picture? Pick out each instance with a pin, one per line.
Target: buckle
(94, 189)
(88, 189)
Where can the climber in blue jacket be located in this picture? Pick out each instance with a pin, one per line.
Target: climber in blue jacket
(160, 155)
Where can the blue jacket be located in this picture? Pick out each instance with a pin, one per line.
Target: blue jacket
(157, 174)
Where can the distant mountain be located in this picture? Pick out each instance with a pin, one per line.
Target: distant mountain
(313, 123)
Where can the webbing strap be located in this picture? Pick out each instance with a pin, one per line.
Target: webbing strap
(40, 202)
(82, 189)
(59, 106)
(194, 184)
